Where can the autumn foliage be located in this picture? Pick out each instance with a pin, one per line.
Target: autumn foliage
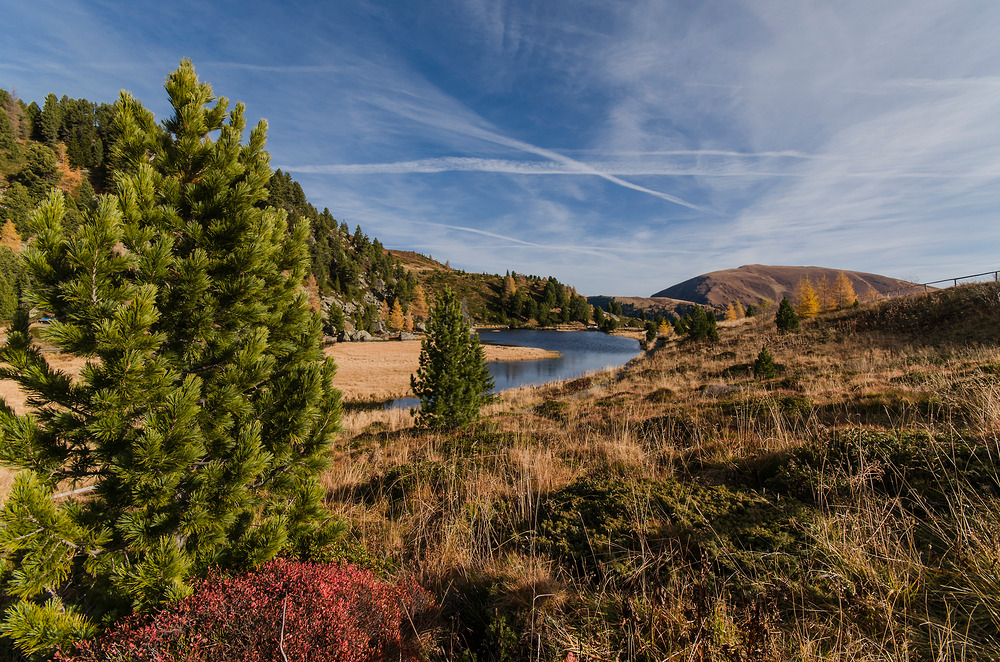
(285, 610)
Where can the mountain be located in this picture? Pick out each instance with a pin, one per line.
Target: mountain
(752, 282)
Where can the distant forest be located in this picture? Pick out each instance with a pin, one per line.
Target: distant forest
(68, 143)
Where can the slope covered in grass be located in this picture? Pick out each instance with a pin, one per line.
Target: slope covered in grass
(845, 509)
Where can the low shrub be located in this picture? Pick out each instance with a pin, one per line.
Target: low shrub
(284, 611)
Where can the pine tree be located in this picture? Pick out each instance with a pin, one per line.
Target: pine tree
(806, 300)
(598, 316)
(11, 282)
(335, 319)
(194, 435)
(702, 325)
(6, 130)
(51, 120)
(764, 367)
(453, 381)
(786, 319)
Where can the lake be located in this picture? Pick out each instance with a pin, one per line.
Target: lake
(582, 352)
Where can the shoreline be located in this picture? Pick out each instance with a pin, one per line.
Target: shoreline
(380, 370)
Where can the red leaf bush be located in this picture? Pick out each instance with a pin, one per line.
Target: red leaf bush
(331, 612)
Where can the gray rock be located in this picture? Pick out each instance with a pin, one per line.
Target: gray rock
(407, 336)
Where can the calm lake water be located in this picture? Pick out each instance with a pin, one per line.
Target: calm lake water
(582, 352)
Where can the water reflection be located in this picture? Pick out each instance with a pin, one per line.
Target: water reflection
(582, 352)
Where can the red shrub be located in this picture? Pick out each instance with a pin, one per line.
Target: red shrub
(339, 613)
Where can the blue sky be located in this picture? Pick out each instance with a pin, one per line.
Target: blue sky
(619, 146)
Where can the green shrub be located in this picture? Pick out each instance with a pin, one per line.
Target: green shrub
(763, 367)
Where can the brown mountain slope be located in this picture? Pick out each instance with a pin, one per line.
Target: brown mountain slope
(752, 282)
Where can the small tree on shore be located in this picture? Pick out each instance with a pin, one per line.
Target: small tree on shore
(453, 381)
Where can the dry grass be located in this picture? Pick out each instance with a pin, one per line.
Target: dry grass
(685, 509)
(472, 513)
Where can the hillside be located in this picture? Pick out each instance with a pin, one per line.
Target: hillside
(493, 299)
(843, 509)
(750, 283)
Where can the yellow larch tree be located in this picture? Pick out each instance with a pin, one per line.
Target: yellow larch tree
(844, 291)
(9, 236)
(396, 317)
(825, 294)
(418, 306)
(408, 322)
(806, 300)
(509, 287)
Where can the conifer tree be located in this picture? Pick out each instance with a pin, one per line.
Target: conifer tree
(9, 236)
(697, 323)
(418, 307)
(51, 120)
(806, 299)
(598, 316)
(11, 282)
(844, 291)
(713, 331)
(195, 432)
(764, 366)
(6, 130)
(786, 319)
(825, 295)
(453, 381)
(396, 316)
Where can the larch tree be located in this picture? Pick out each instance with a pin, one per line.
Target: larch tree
(396, 320)
(195, 432)
(453, 381)
(418, 306)
(844, 291)
(806, 299)
(9, 236)
(826, 295)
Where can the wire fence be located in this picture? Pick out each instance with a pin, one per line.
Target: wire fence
(954, 281)
(933, 285)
